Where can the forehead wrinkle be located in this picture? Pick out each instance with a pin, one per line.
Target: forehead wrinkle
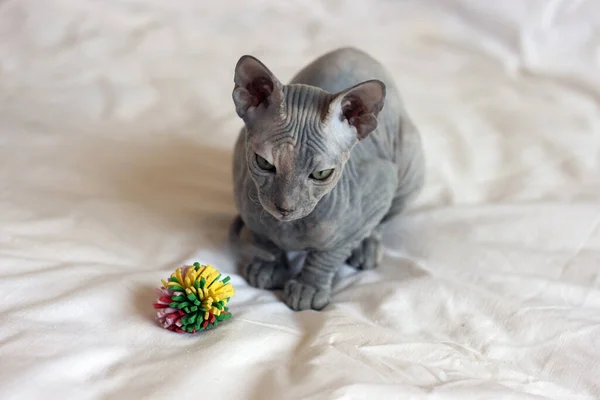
(281, 131)
(296, 158)
(304, 111)
(317, 144)
(284, 140)
(297, 142)
(305, 107)
(285, 155)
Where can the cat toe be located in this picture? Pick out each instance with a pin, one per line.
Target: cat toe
(356, 259)
(368, 255)
(373, 253)
(301, 296)
(266, 275)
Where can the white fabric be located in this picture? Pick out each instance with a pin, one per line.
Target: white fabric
(116, 130)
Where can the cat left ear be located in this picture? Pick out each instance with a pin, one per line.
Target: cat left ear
(360, 105)
(255, 87)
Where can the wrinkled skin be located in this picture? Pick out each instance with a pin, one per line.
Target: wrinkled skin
(319, 165)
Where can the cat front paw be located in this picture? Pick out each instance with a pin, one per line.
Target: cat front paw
(368, 254)
(302, 296)
(269, 275)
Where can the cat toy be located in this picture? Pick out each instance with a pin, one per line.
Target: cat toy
(193, 299)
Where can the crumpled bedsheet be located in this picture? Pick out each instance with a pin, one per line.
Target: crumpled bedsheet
(116, 133)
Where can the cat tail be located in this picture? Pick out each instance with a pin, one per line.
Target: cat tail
(246, 250)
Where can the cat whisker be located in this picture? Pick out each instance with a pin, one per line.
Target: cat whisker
(255, 201)
(260, 217)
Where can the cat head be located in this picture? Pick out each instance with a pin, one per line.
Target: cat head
(299, 137)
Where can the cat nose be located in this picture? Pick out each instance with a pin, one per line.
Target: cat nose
(284, 211)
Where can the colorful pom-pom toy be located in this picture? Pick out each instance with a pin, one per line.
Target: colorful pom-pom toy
(193, 299)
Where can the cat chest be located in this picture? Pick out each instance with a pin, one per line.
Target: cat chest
(299, 235)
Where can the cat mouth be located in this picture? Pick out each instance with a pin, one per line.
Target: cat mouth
(284, 216)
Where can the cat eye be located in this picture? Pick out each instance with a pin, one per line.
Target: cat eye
(321, 175)
(264, 164)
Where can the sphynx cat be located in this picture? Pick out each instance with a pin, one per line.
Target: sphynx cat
(320, 164)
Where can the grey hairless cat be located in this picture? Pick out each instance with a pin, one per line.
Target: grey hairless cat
(319, 165)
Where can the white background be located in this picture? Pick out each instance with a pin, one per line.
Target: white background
(116, 131)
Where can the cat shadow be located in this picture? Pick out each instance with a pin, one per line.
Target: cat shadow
(173, 180)
(143, 300)
(311, 324)
(353, 289)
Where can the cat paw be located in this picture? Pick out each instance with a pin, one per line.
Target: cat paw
(368, 254)
(267, 275)
(301, 296)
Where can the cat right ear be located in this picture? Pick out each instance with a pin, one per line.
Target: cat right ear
(360, 105)
(255, 88)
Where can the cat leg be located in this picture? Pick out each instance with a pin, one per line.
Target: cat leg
(369, 252)
(312, 288)
(264, 274)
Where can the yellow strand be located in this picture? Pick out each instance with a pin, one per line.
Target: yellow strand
(214, 291)
(201, 271)
(178, 275)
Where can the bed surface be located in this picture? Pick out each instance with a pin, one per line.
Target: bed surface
(116, 132)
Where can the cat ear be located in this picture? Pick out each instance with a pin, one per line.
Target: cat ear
(360, 106)
(255, 87)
